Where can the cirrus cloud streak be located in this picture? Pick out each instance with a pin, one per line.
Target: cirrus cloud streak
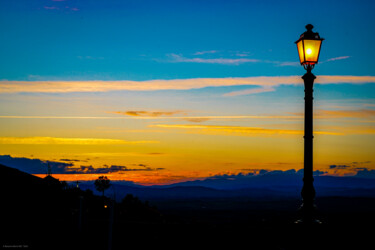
(238, 130)
(66, 141)
(266, 82)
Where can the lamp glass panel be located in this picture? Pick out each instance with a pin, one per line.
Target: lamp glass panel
(300, 51)
(312, 48)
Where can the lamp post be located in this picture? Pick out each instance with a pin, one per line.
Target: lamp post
(308, 46)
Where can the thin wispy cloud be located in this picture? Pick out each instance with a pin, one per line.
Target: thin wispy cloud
(89, 57)
(196, 119)
(234, 58)
(51, 7)
(251, 91)
(296, 64)
(175, 84)
(66, 141)
(148, 113)
(337, 58)
(360, 113)
(288, 64)
(237, 130)
(368, 114)
(187, 118)
(231, 61)
(205, 52)
(67, 8)
(242, 54)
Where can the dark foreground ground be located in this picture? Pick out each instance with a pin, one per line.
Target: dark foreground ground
(348, 223)
(40, 214)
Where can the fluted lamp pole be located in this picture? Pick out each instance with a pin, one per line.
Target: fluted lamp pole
(308, 46)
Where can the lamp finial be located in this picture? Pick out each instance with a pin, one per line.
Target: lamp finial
(309, 27)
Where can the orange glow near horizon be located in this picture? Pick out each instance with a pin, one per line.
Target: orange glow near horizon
(154, 153)
(171, 178)
(140, 179)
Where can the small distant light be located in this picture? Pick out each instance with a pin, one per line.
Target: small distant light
(105, 206)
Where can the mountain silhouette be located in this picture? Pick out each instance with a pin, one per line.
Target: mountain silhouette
(273, 184)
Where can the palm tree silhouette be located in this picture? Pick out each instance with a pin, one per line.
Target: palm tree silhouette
(102, 183)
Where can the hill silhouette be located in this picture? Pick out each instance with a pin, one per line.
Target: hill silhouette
(269, 185)
(42, 213)
(40, 216)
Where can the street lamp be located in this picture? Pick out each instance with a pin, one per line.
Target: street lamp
(308, 46)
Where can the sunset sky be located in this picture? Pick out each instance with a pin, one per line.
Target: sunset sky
(165, 91)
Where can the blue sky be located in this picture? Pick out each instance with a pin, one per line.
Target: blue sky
(136, 40)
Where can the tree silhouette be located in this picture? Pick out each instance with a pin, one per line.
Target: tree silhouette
(64, 185)
(102, 183)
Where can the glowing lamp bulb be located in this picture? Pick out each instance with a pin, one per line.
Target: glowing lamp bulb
(308, 46)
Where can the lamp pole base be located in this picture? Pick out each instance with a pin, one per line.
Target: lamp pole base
(308, 214)
(308, 222)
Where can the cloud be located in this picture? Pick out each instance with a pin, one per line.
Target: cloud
(242, 54)
(38, 166)
(158, 114)
(366, 173)
(66, 141)
(109, 169)
(71, 160)
(250, 91)
(59, 2)
(234, 61)
(205, 52)
(363, 114)
(155, 153)
(288, 63)
(148, 113)
(34, 166)
(87, 57)
(294, 116)
(337, 58)
(349, 169)
(240, 57)
(176, 84)
(51, 7)
(368, 114)
(361, 162)
(344, 79)
(236, 130)
(257, 179)
(359, 113)
(339, 166)
(168, 115)
(298, 64)
(196, 119)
